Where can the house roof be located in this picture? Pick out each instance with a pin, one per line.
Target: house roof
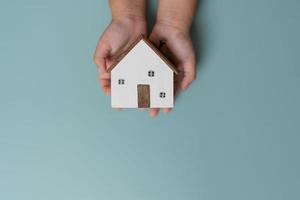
(152, 46)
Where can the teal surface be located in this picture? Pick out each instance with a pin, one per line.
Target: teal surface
(234, 135)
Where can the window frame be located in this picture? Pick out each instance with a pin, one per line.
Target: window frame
(121, 81)
(151, 73)
(162, 95)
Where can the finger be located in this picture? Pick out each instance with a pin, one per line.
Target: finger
(154, 112)
(104, 80)
(167, 110)
(189, 74)
(106, 90)
(101, 53)
(101, 64)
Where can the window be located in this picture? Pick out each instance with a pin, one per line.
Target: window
(151, 73)
(162, 94)
(121, 81)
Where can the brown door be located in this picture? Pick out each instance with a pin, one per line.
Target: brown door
(143, 96)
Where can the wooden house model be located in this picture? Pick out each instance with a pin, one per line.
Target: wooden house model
(142, 78)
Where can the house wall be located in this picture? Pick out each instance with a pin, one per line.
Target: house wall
(134, 70)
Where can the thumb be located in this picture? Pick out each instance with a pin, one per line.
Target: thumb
(100, 55)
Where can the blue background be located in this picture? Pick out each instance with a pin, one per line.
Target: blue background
(233, 135)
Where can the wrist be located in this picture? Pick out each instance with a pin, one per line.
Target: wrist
(134, 10)
(175, 26)
(131, 20)
(174, 20)
(170, 28)
(128, 17)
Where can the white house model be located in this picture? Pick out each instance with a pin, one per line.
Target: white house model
(142, 78)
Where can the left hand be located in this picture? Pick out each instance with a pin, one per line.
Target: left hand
(179, 49)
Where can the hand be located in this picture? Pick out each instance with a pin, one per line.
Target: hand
(179, 49)
(113, 42)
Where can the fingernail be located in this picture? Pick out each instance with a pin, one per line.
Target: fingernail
(152, 115)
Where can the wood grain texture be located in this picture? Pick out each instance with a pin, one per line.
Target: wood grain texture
(143, 96)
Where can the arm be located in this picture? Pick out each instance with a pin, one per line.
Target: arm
(177, 13)
(131, 9)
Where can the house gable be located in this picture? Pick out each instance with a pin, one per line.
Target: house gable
(140, 62)
(151, 47)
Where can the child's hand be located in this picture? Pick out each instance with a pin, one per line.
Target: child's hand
(173, 22)
(179, 49)
(114, 41)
